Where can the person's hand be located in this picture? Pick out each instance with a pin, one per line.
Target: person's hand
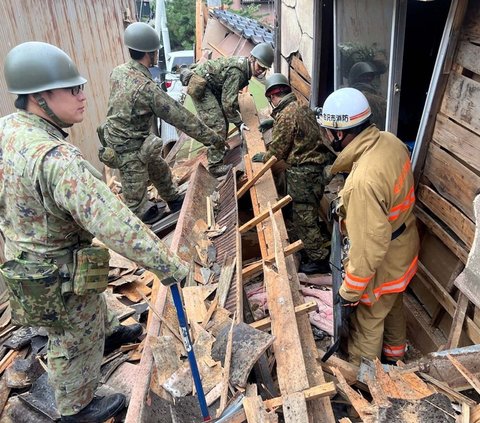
(219, 142)
(348, 307)
(265, 125)
(258, 157)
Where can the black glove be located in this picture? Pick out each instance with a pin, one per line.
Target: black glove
(219, 142)
(258, 157)
(185, 75)
(265, 125)
(348, 307)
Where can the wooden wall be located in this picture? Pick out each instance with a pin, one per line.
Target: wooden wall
(448, 184)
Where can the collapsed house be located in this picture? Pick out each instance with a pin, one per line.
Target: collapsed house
(264, 368)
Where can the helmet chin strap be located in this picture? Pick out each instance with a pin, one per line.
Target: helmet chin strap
(44, 106)
(336, 143)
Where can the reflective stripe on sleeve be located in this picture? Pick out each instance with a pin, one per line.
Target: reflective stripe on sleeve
(395, 286)
(356, 283)
(406, 204)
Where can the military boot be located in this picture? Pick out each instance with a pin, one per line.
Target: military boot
(315, 266)
(218, 171)
(153, 214)
(176, 205)
(98, 410)
(122, 335)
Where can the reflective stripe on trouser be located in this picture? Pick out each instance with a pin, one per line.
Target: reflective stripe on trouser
(137, 168)
(210, 112)
(75, 355)
(305, 185)
(372, 326)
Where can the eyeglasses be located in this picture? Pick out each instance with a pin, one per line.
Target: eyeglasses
(76, 90)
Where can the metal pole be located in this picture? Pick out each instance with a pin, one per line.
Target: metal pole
(161, 26)
(177, 300)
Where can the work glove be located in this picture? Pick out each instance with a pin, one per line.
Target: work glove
(258, 157)
(185, 75)
(348, 307)
(242, 127)
(265, 125)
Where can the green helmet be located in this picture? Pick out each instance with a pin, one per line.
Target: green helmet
(263, 52)
(141, 37)
(276, 80)
(34, 67)
(360, 71)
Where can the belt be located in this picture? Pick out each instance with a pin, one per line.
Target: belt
(66, 258)
(399, 231)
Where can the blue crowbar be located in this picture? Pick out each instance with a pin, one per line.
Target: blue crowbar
(177, 300)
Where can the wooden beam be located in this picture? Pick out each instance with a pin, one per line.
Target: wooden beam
(446, 238)
(457, 324)
(449, 392)
(325, 389)
(251, 182)
(254, 269)
(469, 376)
(264, 324)
(262, 216)
(198, 29)
(447, 301)
(319, 410)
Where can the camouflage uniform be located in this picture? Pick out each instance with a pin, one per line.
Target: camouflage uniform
(378, 104)
(135, 98)
(51, 202)
(296, 139)
(218, 104)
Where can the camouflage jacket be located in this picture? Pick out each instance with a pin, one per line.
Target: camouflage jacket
(135, 98)
(296, 135)
(50, 200)
(226, 76)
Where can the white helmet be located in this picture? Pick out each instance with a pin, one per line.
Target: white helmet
(344, 108)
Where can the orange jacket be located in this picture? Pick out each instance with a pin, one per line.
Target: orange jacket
(378, 197)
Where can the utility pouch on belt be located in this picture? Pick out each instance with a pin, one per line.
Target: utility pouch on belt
(35, 293)
(196, 87)
(90, 270)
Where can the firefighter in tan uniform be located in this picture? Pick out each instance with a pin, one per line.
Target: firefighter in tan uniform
(376, 208)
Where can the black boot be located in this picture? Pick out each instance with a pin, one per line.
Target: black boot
(176, 205)
(218, 171)
(122, 335)
(99, 410)
(311, 267)
(153, 214)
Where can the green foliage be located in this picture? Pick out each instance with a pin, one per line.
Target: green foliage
(181, 23)
(250, 11)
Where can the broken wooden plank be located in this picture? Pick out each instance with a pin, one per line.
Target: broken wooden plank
(320, 410)
(469, 376)
(225, 279)
(447, 301)
(323, 390)
(264, 324)
(226, 371)
(457, 324)
(255, 411)
(451, 393)
(262, 216)
(251, 182)
(256, 268)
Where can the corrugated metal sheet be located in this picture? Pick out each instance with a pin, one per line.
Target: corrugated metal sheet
(89, 31)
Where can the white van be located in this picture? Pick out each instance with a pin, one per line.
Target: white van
(177, 60)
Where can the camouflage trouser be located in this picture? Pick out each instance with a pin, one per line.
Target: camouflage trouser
(210, 112)
(305, 184)
(138, 167)
(75, 354)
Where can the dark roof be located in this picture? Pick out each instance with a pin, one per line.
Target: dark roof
(248, 28)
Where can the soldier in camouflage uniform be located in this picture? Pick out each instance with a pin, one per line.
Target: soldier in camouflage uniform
(52, 203)
(296, 140)
(135, 98)
(361, 77)
(214, 87)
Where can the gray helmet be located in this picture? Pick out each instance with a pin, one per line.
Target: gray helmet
(263, 52)
(276, 80)
(34, 67)
(359, 70)
(141, 37)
